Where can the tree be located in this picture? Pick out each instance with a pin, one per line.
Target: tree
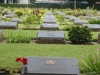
(91, 3)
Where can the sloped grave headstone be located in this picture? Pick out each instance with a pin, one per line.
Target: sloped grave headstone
(18, 20)
(89, 17)
(98, 38)
(1, 36)
(3, 17)
(50, 37)
(49, 13)
(80, 22)
(94, 27)
(98, 13)
(9, 16)
(49, 17)
(51, 66)
(98, 17)
(69, 16)
(46, 26)
(73, 18)
(8, 25)
(60, 13)
(9, 12)
(49, 21)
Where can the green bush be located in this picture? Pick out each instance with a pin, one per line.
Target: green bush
(80, 35)
(29, 21)
(19, 13)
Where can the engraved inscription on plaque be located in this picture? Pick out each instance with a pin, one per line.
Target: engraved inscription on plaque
(50, 62)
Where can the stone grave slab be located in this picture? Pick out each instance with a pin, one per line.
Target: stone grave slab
(8, 25)
(3, 17)
(16, 20)
(49, 13)
(80, 22)
(98, 17)
(51, 37)
(49, 21)
(98, 13)
(46, 26)
(49, 17)
(98, 38)
(60, 13)
(1, 36)
(89, 17)
(95, 27)
(69, 16)
(9, 12)
(9, 16)
(51, 66)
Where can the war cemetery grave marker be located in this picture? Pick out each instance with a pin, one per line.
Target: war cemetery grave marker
(89, 17)
(46, 26)
(9, 12)
(49, 17)
(49, 13)
(8, 25)
(51, 66)
(98, 38)
(9, 15)
(51, 37)
(49, 21)
(95, 27)
(1, 36)
(80, 22)
(69, 16)
(16, 20)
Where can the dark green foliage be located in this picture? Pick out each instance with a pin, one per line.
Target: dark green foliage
(19, 13)
(79, 35)
(94, 21)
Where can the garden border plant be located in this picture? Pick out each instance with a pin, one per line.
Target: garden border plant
(80, 35)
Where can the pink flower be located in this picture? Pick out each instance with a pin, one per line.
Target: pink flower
(94, 62)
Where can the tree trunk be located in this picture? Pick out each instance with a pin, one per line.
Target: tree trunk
(74, 4)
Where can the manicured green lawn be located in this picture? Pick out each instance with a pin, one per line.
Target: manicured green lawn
(10, 51)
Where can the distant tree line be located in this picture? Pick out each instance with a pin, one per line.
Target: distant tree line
(91, 2)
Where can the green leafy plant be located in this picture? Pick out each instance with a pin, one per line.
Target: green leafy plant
(19, 13)
(29, 21)
(94, 21)
(80, 35)
(91, 62)
(18, 37)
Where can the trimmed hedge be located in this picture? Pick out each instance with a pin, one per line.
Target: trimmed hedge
(47, 5)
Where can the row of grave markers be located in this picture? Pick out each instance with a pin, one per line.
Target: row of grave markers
(49, 33)
(50, 65)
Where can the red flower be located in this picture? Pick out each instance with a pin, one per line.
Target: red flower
(18, 59)
(23, 60)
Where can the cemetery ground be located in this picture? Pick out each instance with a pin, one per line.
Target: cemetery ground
(9, 52)
(21, 42)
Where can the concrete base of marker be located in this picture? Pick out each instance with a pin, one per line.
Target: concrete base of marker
(98, 38)
(1, 36)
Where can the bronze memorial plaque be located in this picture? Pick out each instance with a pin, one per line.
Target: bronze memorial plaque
(51, 66)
